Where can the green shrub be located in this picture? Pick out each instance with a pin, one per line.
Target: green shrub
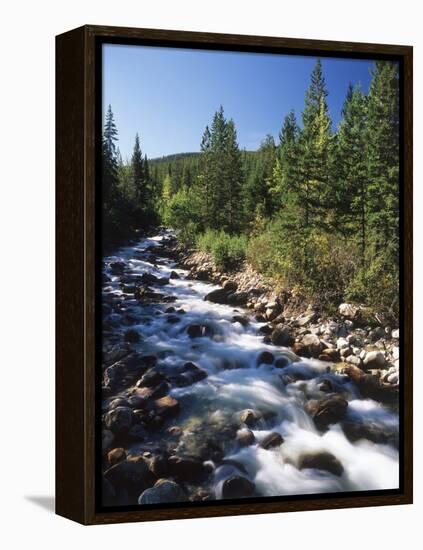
(317, 263)
(228, 251)
(182, 212)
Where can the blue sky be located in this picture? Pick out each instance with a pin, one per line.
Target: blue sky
(168, 95)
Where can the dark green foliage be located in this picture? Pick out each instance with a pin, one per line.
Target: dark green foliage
(127, 188)
(228, 251)
(318, 211)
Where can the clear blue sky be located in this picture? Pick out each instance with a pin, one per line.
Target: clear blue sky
(169, 95)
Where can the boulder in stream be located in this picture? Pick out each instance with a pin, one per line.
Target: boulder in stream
(218, 296)
(327, 411)
(273, 439)
(118, 420)
(321, 461)
(163, 491)
(237, 487)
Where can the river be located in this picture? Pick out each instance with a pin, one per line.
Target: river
(210, 412)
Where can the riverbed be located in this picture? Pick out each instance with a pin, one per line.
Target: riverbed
(242, 406)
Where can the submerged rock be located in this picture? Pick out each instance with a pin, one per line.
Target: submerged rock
(118, 420)
(266, 358)
(189, 374)
(187, 469)
(163, 491)
(281, 336)
(166, 406)
(218, 296)
(132, 336)
(237, 487)
(321, 461)
(194, 331)
(274, 439)
(329, 410)
(133, 475)
(116, 455)
(249, 417)
(245, 437)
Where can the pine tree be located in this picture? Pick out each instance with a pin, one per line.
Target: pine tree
(382, 135)
(351, 169)
(285, 187)
(257, 193)
(110, 158)
(233, 181)
(138, 175)
(316, 152)
(204, 178)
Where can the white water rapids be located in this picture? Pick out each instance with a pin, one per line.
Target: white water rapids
(235, 382)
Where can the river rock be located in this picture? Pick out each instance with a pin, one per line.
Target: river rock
(194, 331)
(187, 469)
(395, 334)
(306, 319)
(329, 410)
(374, 360)
(273, 439)
(118, 402)
(132, 336)
(321, 461)
(265, 357)
(353, 360)
(237, 298)
(116, 455)
(113, 375)
(117, 268)
(312, 345)
(355, 373)
(188, 375)
(281, 336)
(355, 431)
(349, 311)
(230, 286)
(342, 343)
(237, 487)
(218, 296)
(241, 319)
(107, 439)
(132, 475)
(282, 362)
(249, 417)
(150, 378)
(266, 329)
(330, 355)
(166, 407)
(245, 437)
(174, 275)
(118, 420)
(163, 492)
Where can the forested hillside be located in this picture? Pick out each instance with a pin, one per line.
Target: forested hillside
(317, 211)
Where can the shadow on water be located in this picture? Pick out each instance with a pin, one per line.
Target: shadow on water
(46, 502)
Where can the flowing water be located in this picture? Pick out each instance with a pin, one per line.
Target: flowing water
(235, 381)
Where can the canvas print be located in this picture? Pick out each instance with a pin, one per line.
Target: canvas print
(250, 343)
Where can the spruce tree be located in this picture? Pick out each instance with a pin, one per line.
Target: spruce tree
(382, 136)
(316, 152)
(233, 181)
(138, 175)
(110, 158)
(351, 170)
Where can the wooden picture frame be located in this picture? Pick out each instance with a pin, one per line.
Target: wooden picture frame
(78, 119)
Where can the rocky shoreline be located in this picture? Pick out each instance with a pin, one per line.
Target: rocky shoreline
(160, 444)
(355, 341)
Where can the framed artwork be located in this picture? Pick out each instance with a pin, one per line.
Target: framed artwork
(234, 274)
